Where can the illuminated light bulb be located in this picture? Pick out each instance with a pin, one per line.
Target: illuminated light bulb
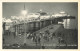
(62, 12)
(24, 12)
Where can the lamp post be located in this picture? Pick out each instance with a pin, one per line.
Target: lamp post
(24, 12)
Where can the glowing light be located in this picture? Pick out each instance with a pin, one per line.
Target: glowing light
(45, 17)
(4, 19)
(68, 23)
(40, 10)
(24, 12)
(68, 15)
(57, 15)
(60, 22)
(8, 20)
(62, 12)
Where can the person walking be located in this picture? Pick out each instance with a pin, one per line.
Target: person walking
(59, 40)
(39, 40)
(36, 40)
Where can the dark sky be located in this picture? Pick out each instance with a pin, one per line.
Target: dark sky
(14, 9)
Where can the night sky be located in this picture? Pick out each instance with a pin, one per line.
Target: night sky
(14, 9)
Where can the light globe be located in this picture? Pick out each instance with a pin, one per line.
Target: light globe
(24, 12)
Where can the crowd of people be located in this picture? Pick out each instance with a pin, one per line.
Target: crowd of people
(36, 37)
(47, 36)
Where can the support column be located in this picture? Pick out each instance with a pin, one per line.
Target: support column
(16, 28)
(51, 21)
(28, 27)
(44, 24)
(34, 26)
(38, 25)
(31, 24)
(19, 29)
